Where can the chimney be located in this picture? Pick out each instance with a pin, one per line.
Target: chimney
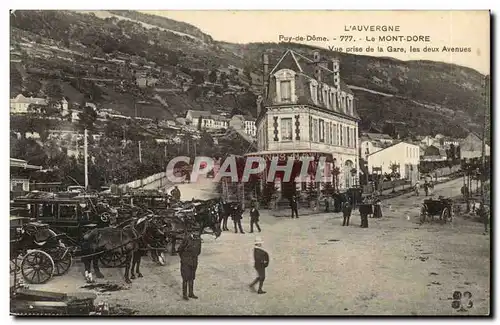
(335, 67)
(265, 70)
(317, 66)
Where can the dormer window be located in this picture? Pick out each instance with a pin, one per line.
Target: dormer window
(314, 92)
(325, 96)
(285, 86)
(286, 90)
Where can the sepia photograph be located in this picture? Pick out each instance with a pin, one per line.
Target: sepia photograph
(250, 163)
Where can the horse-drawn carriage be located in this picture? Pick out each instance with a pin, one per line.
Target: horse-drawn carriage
(73, 216)
(442, 207)
(37, 252)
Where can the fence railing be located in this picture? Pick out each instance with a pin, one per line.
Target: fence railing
(140, 183)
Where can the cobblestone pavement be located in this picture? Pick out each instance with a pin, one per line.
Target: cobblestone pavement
(318, 267)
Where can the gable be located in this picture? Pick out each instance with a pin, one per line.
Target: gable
(287, 61)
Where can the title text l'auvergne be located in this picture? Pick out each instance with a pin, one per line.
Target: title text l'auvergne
(372, 28)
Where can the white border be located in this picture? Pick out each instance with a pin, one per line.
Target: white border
(188, 4)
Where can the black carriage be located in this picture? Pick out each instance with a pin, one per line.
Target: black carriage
(70, 219)
(37, 251)
(73, 217)
(442, 207)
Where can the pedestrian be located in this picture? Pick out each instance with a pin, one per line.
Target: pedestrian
(483, 213)
(254, 218)
(363, 211)
(377, 209)
(294, 206)
(417, 188)
(261, 262)
(346, 210)
(237, 215)
(176, 194)
(189, 250)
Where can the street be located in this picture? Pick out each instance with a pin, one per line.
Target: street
(318, 267)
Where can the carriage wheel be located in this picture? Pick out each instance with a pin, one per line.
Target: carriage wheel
(113, 259)
(37, 267)
(446, 215)
(62, 260)
(423, 214)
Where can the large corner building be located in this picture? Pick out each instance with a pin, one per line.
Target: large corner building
(306, 109)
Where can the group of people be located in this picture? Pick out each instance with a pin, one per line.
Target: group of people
(237, 216)
(370, 207)
(190, 249)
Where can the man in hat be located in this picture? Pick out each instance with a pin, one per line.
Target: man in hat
(261, 261)
(237, 215)
(176, 193)
(294, 206)
(189, 250)
(346, 211)
(254, 217)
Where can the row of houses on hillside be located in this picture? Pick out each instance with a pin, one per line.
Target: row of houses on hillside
(212, 122)
(382, 154)
(21, 104)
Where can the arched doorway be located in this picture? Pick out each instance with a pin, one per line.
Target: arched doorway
(348, 178)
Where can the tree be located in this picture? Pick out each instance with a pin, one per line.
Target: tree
(269, 193)
(87, 118)
(54, 93)
(199, 123)
(247, 72)
(173, 58)
(32, 86)
(212, 77)
(198, 77)
(394, 175)
(16, 81)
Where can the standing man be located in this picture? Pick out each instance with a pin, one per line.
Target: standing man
(483, 213)
(261, 261)
(364, 214)
(346, 211)
(254, 218)
(189, 250)
(237, 215)
(294, 206)
(176, 194)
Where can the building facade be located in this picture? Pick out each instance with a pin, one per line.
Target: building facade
(307, 109)
(206, 120)
(250, 127)
(20, 104)
(405, 156)
(20, 176)
(471, 147)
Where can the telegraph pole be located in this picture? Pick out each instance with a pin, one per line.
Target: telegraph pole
(140, 152)
(85, 153)
(483, 148)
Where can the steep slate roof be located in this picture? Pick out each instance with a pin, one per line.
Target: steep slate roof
(377, 136)
(305, 67)
(197, 114)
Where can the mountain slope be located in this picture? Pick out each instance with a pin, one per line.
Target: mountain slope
(110, 56)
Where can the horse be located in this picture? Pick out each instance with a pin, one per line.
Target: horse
(202, 216)
(127, 240)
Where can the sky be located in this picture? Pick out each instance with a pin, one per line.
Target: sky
(468, 29)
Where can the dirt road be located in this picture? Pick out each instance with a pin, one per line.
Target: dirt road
(318, 267)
